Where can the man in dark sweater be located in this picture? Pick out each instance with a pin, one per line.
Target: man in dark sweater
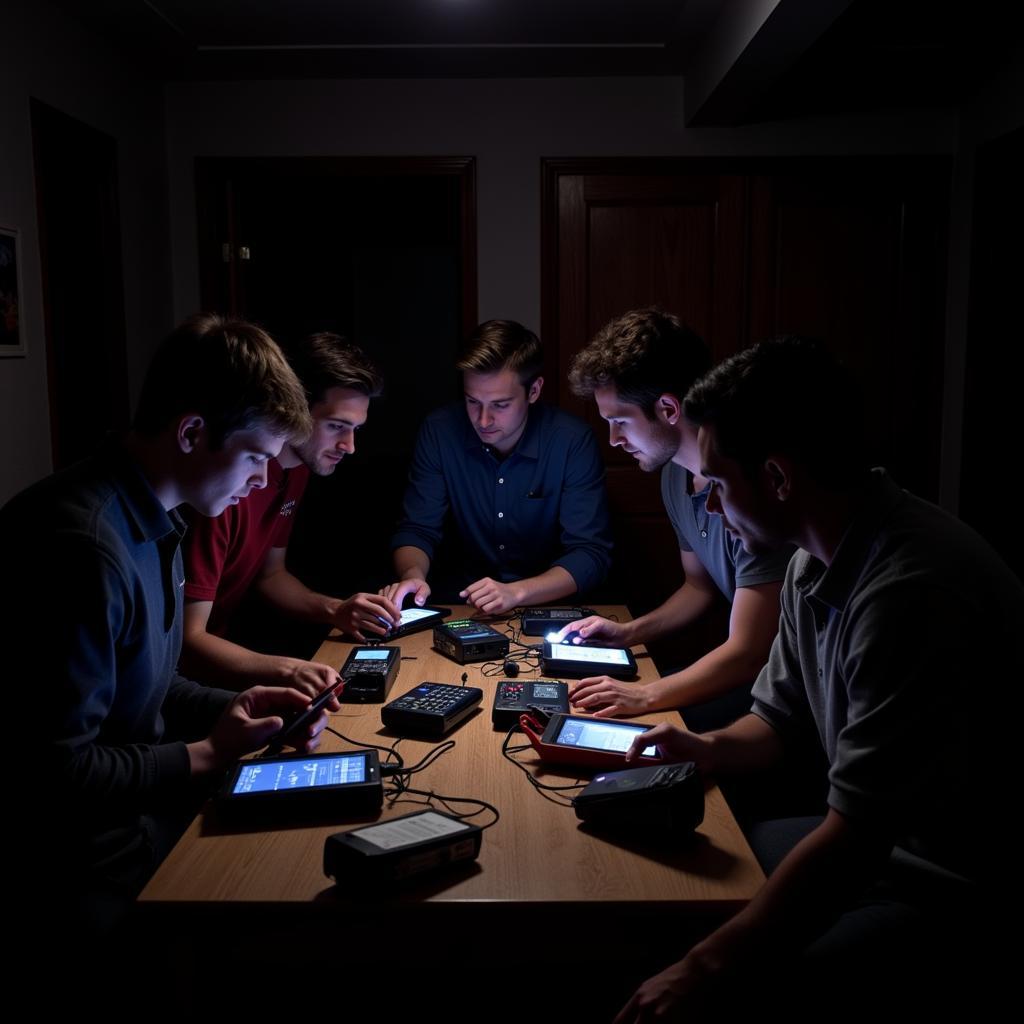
(117, 748)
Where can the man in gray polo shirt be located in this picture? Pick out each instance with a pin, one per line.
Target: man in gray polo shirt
(897, 622)
(638, 368)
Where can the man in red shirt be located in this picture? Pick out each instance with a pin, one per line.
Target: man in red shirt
(246, 546)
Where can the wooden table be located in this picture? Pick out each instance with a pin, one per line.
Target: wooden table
(536, 865)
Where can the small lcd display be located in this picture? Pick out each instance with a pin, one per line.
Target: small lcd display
(278, 776)
(373, 654)
(546, 691)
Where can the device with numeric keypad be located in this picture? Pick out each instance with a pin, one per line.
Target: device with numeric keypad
(431, 709)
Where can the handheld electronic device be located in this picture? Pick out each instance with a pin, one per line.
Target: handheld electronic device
(579, 661)
(415, 619)
(465, 640)
(586, 740)
(390, 851)
(369, 673)
(295, 786)
(667, 798)
(513, 698)
(432, 709)
(294, 725)
(541, 621)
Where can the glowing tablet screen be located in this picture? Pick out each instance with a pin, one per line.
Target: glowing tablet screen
(598, 735)
(592, 655)
(281, 776)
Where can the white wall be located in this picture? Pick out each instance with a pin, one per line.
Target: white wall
(50, 57)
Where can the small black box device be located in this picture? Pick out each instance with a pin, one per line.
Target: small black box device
(432, 709)
(465, 640)
(666, 798)
(578, 661)
(513, 697)
(293, 787)
(369, 673)
(390, 851)
(541, 621)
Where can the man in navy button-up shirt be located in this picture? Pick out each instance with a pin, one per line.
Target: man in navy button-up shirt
(524, 483)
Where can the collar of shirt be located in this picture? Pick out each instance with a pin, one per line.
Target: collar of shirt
(529, 444)
(149, 520)
(833, 585)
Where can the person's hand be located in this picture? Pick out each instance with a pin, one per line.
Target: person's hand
(683, 991)
(255, 715)
(594, 627)
(367, 613)
(673, 743)
(308, 677)
(397, 592)
(490, 596)
(605, 697)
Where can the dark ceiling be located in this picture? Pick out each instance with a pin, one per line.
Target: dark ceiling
(741, 60)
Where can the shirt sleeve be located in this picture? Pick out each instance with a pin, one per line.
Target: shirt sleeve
(426, 498)
(583, 516)
(768, 567)
(205, 550)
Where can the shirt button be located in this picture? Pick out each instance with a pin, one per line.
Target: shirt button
(703, 533)
(501, 515)
(501, 547)
(501, 479)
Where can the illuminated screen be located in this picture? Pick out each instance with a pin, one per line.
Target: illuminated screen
(411, 615)
(598, 735)
(281, 776)
(372, 655)
(593, 655)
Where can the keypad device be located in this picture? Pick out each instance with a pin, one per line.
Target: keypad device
(432, 709)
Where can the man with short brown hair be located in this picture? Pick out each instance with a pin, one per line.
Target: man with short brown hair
(121, 748)
(523, 481)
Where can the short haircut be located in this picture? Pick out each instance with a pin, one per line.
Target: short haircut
(503, 345)
(324, 361)
(643, 354)
(789, 396)
(228, 371)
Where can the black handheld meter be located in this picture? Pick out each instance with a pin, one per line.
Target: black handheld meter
(369, 673)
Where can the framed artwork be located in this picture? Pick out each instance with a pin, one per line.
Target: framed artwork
(12, 327)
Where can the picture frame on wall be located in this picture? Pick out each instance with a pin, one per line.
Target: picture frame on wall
(12, 324)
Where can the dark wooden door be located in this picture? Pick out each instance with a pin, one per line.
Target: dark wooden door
(852, 251)
(622, 236)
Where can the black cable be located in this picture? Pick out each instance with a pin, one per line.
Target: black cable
(390, 751)
(542, 787)
(402, 796)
